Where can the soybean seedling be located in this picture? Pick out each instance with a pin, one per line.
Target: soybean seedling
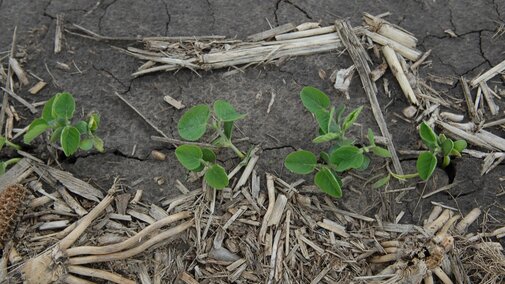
(10, 162)
(57, 118)
(193, 125)
(440, 151)
(343, 155)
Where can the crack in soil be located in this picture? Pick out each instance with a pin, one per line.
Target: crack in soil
(168, 16)
(497, 9)
(114, 152)
(277, 5)
(127, 87)
(278, 148)
(103, 15)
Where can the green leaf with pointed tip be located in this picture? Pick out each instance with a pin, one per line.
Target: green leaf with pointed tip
(441, 139)
(93, 122)
(193, 123)
(86, 144)
(47, 111)
(328, 183)
(98, 143)
(427, 135)
(460, 145)
(426, 164)
(332, 122)
(314, 99)
(325, 137)
(56, 134)
(301, 162)
(381, 152)
(225, 112)
(381, 182)
(371, 137)
(216, 177)
(37, 127)
(347, 157)
(208, 155)
(63, 106)
(189, 156)
(228, 128)
(339, 113)
(70, 140)
(447, 147)
(351, 118)
(82, 126)
(322, 118)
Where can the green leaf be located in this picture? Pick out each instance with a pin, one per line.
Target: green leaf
(325, 137)
(328, 183)
(427, 135)
(37, 127)
(208, 155)
(193, 122)
(301, 162)
(381, 152)
(47, 111)
(82, 126)
(189, 156)
(216, 177)
(93, 122)
(322, 117)
(447, 146)
(63, 106)
(56, 134)
(325, 157)
(332, 122)
(228, 128)
(70, 140)
(371, 137)
(98, 143)
(381, 182)
(225, 111)
(347, 157)
(314, 99)
(340, 111)
(426, 164)
(351, 118)
(86, 144)
(441, 138)
(365, 164)
(460, 145)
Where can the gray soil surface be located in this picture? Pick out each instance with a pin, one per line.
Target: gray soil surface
(287, 126)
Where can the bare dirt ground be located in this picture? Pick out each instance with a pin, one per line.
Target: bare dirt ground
(104, 70)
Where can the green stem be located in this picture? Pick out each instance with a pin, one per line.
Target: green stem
(12, 145)
(11, 161)
(236, 150)
(404, 177)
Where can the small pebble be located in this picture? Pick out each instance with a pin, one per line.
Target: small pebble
(409, 111)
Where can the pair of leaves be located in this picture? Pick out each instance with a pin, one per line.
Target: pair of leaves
(193, 123)
(194, 158)
(56, 115)
(305, 162)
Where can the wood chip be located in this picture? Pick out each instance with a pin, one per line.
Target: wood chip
(141, 216)
(333, 227)
(173, 102)
(37, 87)
(20, 73)
(54, 225)
(58, 35)
(278, 210)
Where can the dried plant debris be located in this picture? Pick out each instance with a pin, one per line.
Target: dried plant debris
(11, 206)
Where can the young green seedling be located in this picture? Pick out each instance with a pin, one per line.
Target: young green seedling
(439, 147)
(57, 117)
(193, 125)
(344, 155)
(10, 162)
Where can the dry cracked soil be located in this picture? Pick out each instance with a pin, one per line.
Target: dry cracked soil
(104, 71)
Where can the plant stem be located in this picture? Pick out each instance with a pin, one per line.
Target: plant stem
(11, 161)
(236, 150)
(12, 145)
